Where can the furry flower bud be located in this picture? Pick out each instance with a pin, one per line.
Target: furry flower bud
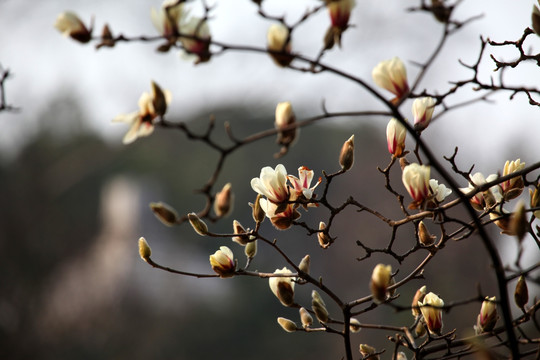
(424, 236)
(283, 287)
(346, 156)
(380, 280)
(324, 239)
(251, 249)
(305, 317)
(144, 249)
(165, 213)
(198, 225)
(521, 294)
(286, 324)
(304, 264)
(278, 41)
(319, 307)
(223, 201)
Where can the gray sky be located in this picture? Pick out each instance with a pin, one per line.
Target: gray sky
(110, 82)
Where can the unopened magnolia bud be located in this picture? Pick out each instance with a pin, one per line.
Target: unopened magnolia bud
(286, 324)
(278, 41)
(401, 356)
(536, 20)
(223, 201)
(420, 329)
(324, 239)
(431, 309)
(521, 294)
(239, 230)
(284, 118)
(380, 280)
(424, 236)
(198, 225)
(258, 212)
(107, 38)
(487, 318)
(305, 317)
(251, 249)
(418, 297)
(346, 157)
(165, 213)
(69, 24)
(144, 249)
(518, 221)
(159, 101)
(319, 307)
(283, 287)
(368, 352)
(535, 200)
(354, 325)
(222, 262)
(304, 264)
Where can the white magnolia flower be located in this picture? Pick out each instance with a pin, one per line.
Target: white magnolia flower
(439, 191)
(272, 183)
(302, 184)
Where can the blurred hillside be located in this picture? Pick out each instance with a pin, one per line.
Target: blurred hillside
(74, 207)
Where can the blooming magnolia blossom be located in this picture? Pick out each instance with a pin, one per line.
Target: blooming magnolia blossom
(169, 18)
(278, 40)
(439, 191)
(272, 183)
(198, 28)
(422, 110)
(141, 122)
(301, 184)
(69, 24)
(340, 12)
(222, 262)
(283, 287)
(431, 309)
(416, 180)
(478, 200)
(512, 188)
(392, 76)
(395, 137)
(281, 216)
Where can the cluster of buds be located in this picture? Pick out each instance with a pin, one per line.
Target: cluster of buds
(283, 287)
(392, 76)
(340, 12)
(431, 309)
(151, 106)
(282, 200)
(381, 279)
(279, 44)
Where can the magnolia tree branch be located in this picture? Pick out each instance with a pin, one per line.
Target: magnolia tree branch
(281, 195)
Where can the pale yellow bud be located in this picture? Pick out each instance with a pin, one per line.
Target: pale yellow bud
(222, 262)
(346, 156)
(305, 317)
(368, 352)
(304, 264)
(198, 225)
(251, 249)
(165, 213)
(144, 249)
(380, 280)
(354, 325)
(319, 307)
(432, 312)
(286, 324)
(284, 118)
(278, 41)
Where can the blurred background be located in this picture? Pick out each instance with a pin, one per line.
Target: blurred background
(76, 199)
